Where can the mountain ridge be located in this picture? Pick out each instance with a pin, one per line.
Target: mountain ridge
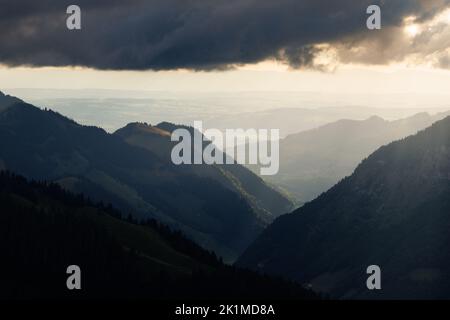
(313, 161)
(42, 144)
(392, 212)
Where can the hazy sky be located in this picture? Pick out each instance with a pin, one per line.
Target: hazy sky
(262, 77)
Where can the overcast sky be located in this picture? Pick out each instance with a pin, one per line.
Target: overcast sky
(226, 45)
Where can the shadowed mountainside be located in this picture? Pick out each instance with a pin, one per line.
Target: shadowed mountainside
(44, 229)
(220, 211)
(393, 211)
(313, 161)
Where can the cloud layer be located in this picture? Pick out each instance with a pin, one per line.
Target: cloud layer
(205, 34)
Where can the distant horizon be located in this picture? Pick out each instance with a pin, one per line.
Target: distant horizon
(114, 112)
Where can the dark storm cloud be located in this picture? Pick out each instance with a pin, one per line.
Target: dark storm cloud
(194, 34)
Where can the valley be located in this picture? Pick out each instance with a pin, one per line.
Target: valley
(130, 187)
(392, 212)
(222, 207)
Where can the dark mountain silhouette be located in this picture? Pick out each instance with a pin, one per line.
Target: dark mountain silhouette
(219, 211)
(44, 229)
(262, 198)
(393, 211)
(313, 161)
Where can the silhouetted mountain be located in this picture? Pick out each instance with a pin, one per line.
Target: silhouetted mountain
(6, 101)
(393, 211)
(313, 161)
(267, 203)
(44, 229)
(135, 177)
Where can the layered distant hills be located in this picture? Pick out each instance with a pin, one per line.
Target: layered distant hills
(393, 211)
(222, 209)
(313, 161)
(44, 229)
